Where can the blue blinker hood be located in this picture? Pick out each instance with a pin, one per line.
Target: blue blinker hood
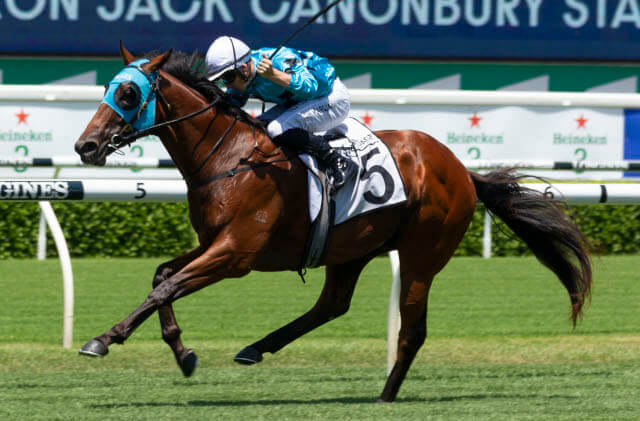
(134, 73)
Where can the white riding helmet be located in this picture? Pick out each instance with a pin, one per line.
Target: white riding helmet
(224, 54)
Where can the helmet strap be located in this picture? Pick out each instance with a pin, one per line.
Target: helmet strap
(235, 61)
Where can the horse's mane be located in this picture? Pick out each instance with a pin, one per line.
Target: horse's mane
(191, 70)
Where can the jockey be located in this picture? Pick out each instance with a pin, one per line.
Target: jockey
(309, 97)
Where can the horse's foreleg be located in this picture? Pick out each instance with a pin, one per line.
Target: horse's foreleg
(185, 357)
(170, 330)
(217, 262)
(333, 302)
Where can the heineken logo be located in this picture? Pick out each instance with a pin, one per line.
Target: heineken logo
(22, 117)
(580, 137)
(473, 137)
(570, 139)
(25, 134)
(475, 120)
(478, 139)
(582, 122)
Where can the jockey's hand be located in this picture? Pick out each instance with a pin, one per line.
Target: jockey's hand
(265, 68)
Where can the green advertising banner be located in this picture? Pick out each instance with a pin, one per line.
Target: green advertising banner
(373, 74)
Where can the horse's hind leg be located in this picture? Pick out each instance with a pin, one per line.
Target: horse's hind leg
(333, 302)
(423, 253)
(413, 330)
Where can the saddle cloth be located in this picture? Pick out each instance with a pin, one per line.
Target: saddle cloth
(378, 183)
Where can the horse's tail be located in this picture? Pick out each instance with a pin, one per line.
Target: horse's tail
(544, 226)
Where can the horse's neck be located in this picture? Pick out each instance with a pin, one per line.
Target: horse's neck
(208, 144)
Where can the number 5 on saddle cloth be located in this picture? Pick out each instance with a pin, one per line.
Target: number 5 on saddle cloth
(378, 185)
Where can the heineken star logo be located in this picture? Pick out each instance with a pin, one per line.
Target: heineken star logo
(475, 120)
(22, 116)
(582, 122)
(366, 118)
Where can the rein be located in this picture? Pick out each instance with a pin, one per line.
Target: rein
(126, 137)
(118, 140)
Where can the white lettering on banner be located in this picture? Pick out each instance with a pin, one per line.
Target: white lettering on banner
(347, 10)
(577, 19)
(572, 14)
(111, 15)
(33, 190)
(504, 12)
(211, 5)
(420, 10)
(150, 9)
(474, 20)
(626, 12)
(385, 18)
(622, 15)
(265, 17)
(180, 17)
(25, 14)
(602, 13)
(534, 15)
(300, 11)
(70, 8)
(447, 12)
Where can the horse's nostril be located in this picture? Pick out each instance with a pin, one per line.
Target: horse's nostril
(87, 148)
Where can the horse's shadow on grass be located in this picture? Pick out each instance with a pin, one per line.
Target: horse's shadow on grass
(357, 400)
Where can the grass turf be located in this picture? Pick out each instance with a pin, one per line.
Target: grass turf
(500, 346)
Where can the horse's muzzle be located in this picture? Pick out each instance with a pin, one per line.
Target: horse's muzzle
(90, 152)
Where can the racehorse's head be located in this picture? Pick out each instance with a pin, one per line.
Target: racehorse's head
(128, 106)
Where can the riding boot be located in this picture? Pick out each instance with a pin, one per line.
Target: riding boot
(341, 169)
(300, 140)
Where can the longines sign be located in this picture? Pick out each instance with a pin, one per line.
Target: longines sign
(531, 29)
(45, 190)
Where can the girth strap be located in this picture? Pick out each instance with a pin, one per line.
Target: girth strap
(232, 172)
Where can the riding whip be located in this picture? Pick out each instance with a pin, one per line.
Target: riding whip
(307, 23)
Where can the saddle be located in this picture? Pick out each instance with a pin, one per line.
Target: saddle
(377, 185)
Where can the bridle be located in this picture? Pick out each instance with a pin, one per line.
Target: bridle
(128, 134)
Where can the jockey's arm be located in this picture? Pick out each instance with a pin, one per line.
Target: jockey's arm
(266, 70)
(296, 79)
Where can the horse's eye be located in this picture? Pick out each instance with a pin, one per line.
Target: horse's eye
(128, 96)
(106, 88)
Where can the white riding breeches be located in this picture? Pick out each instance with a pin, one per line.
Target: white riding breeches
(315, 115)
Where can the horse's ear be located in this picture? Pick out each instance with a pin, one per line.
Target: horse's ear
(127, 57)
(158, 61)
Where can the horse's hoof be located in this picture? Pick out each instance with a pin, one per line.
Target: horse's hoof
(94, 348)
(248, 356)
(188, 363)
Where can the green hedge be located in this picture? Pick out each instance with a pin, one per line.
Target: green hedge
(163, 229)
(100, 229)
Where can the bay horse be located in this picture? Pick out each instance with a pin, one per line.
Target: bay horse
(247, 204)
